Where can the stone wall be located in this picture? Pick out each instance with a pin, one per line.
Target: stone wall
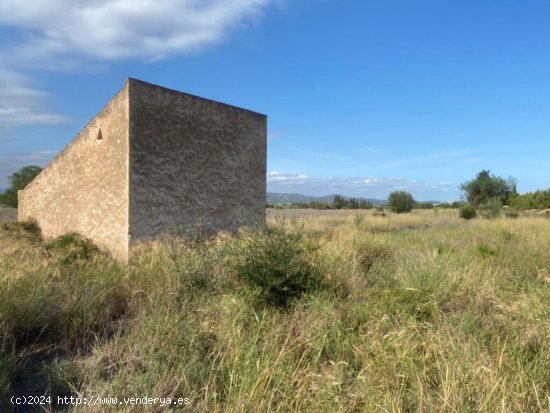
(193, 163)
(153, 160)
(85, 188)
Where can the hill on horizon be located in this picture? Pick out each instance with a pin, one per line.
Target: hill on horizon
(276, 198)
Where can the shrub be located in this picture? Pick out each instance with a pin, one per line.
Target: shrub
(491, 208)
(278, 261)
(400, 201)
(467, 212)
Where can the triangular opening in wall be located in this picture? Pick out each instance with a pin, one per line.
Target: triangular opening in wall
(99, 137)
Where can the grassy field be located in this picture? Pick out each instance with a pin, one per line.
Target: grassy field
(321, 312)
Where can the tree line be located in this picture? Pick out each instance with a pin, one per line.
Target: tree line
(484, 191)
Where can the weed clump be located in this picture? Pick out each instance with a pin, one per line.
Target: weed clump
(278, 261)
(486, 251)
(196, 259)
(370, 254)
(73, 247)
(28, 230)
(467, 212)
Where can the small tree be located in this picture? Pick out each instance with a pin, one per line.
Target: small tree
(400, 201)
(486, 186)
(18, 180)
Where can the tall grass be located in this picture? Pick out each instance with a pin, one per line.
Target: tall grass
(399, 313)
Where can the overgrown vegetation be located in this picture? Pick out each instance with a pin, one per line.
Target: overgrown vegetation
(278, 262)
(351, 312)
(531, 200)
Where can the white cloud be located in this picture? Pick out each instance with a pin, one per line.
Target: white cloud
(63, 34)
(273, 177)
(117, 29)
(359, 186)
(22, 104)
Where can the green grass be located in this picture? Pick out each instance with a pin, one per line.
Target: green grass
(416, 312)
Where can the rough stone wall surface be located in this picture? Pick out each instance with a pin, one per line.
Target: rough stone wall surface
(193, 163)
(85, 188)
(165, 161)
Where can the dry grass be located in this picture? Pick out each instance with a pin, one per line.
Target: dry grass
(419, 312)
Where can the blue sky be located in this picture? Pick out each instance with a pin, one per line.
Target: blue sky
(363, 97)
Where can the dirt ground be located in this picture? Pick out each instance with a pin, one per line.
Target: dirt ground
(8, 214)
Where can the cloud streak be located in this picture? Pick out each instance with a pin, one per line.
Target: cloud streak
(371, 187)
(20, 104)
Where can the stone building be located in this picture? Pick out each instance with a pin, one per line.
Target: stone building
(153, 160)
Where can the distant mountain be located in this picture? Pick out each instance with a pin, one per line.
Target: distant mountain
(275, 198)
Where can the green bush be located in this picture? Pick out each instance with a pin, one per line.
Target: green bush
(467, 212)
(531, 200)
(278, 261)
(400, 201)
